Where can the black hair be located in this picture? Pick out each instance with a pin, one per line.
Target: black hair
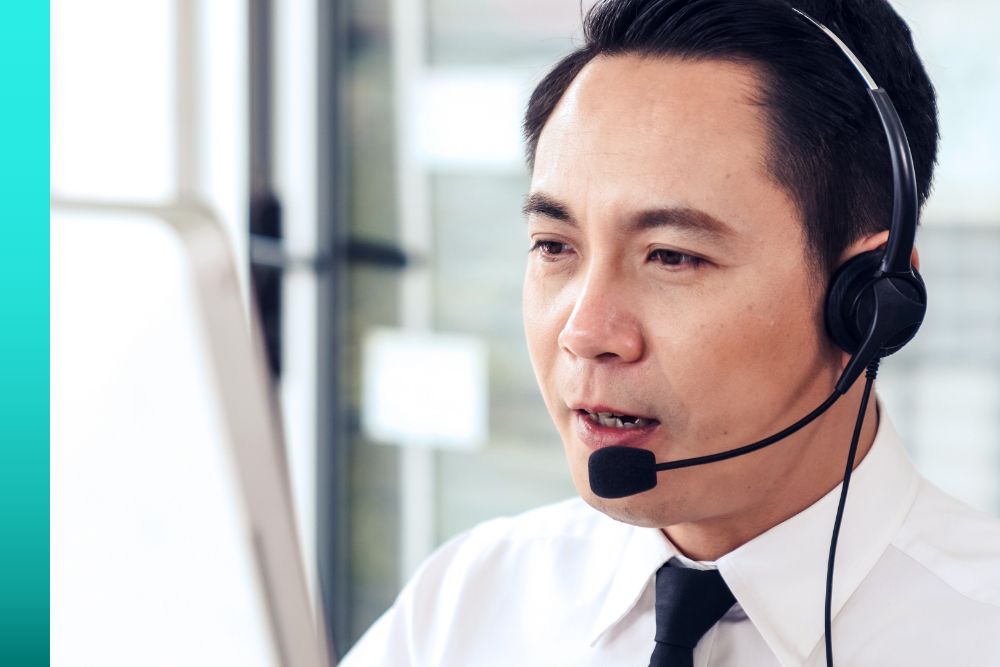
(827, 147)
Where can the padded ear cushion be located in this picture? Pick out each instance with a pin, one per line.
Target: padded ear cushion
(848, 285)
(851, 301)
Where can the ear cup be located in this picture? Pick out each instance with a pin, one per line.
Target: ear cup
(858, 296)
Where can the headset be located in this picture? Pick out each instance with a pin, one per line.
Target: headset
(874, 306)
(876, 301)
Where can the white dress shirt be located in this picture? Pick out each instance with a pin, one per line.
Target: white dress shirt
(917, 582)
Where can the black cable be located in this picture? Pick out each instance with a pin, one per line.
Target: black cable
(869, 379)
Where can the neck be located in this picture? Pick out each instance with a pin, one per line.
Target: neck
(814, 475)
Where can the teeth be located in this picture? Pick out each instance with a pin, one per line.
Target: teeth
(611, 420)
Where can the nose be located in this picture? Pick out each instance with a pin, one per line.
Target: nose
(602, 325)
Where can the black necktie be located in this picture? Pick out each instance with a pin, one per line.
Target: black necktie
(688, 603)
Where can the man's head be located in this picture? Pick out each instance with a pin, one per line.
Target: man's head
(699, 168)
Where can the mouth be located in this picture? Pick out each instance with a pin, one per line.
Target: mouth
(599, 427)
(616, 420)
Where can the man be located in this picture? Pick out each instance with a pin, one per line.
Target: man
(699, 170)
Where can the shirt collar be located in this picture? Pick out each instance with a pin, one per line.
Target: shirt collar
(645, 551)
(779, 577)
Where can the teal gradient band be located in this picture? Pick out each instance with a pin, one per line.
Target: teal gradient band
(24, 335)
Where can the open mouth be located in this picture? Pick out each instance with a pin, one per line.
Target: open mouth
(615, 420)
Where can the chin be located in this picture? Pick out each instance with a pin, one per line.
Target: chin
(646, 510)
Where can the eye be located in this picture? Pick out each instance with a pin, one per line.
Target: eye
(674, 259)
(549, 249)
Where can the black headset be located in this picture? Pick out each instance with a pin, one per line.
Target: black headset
(877, 300)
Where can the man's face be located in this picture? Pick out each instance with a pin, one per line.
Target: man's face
(670, 281)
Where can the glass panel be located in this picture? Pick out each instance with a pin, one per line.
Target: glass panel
(480, 250)
(943, 390)
(962, 57)
(501, 33)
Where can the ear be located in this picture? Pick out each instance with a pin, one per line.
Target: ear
(874, 242)
(871, 242)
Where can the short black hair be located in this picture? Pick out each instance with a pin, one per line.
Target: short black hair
(827, 146)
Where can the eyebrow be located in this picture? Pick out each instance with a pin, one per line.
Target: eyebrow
(690, 220)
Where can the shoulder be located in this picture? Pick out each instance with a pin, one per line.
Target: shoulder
(550, 564)
(954, 543)
(935, 592)
(561, 555)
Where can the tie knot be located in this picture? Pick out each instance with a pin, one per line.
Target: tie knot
(688, 603)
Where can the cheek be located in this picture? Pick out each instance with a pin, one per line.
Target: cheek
(722, 344)
(541, 325)
(546, 305)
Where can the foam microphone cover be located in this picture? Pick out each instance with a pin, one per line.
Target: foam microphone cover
(616, 472)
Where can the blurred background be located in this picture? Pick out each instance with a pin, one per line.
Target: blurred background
(365, 159)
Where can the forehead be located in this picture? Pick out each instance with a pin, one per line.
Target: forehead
(642, 131)
(641, 104)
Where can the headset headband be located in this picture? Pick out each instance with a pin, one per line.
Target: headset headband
(902, 232)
